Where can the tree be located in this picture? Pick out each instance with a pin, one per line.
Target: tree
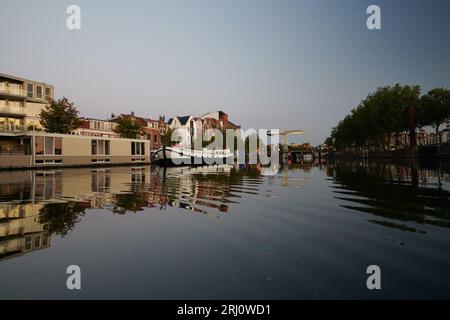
(127, 127)
(133, 202)
(60, 218)
(382, 114)
(60, 116)
(435, 108)
(166, 138)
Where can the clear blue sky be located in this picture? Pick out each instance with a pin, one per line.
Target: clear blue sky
(268, 64)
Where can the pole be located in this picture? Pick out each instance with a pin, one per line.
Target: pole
(412, 130)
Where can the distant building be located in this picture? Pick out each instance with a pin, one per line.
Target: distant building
(221, 120)
(192, 128)
(217, 120)
(185, 128)
(154, 130)
(151, 129)
(21, 102)
(97, 128)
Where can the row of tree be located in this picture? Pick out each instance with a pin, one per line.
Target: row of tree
(387, 113)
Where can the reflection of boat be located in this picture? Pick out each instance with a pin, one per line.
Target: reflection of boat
(270, 171)
(308, 157)
(189, 170)
(175, 156)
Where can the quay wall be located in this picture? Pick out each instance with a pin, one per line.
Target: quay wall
(436, 152)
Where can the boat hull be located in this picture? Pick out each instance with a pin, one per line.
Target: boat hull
(172, 156)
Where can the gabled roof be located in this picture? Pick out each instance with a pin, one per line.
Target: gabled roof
(184, 120)
(170, 121)
(233, 126)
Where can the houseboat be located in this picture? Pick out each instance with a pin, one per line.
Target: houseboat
(36, 149)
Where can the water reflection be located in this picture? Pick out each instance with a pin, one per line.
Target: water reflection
(34, 205)
(404, 197)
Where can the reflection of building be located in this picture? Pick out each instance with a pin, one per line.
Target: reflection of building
(20, 230)
(36, 204)
(21, 101)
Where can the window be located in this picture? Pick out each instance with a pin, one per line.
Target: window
(137, 148)
(45, 241)
(155, 138)
(49, 146)
(94, 147)
(39, 147)
(29, 90)
(58, 146)
(107, 147)
(37, 242)
(48, 93)
(39, 92)
(100, 147)
(28, 243)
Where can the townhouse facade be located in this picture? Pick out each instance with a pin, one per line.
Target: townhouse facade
(97, 128)
(151, 129)
(191, 128)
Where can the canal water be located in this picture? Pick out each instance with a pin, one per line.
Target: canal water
(308, 231)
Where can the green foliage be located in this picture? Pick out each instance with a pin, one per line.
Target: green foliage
(127, 127)
(60, 116)
(129, 202)
(60, 218)
(378, 117)
(434, 109)
(166, 138)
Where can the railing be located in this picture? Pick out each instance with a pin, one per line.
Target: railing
(12, 108)
(12, 153)
(12, 90)
(12, 128)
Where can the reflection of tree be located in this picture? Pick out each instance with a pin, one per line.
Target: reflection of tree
(60, 218)
(125, 202)
(391, 192)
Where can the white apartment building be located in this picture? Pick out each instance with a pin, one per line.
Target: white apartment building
(21, 102)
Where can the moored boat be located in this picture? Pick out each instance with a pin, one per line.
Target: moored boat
(176, 156)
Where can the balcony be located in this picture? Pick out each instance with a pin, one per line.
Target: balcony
(12, 108)
(12, 90)
(10, 128)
